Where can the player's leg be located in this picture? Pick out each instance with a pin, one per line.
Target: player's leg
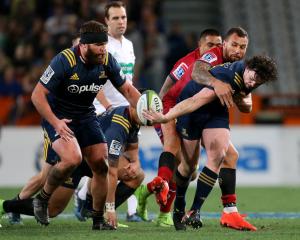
(190, 150)
(133, 182)
(59, 200)
(70, 157)
(227, 181)
(96, 156)
(166, 167)
(216, 141)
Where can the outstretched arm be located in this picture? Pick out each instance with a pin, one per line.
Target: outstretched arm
(188, 105)
(202, 75)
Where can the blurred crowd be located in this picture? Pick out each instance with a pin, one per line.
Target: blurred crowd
(32, 32)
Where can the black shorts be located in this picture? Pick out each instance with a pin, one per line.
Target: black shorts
(87, 132)
(50, 155)
(190, 126)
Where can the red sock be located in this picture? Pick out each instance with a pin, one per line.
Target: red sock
(229, 199)
(165, 173)
(171, 197)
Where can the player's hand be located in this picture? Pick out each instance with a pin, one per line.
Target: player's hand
(112, 219)
(154, 117)
(63, 130)
(224, 93)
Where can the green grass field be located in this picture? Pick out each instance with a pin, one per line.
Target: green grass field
(277, 200)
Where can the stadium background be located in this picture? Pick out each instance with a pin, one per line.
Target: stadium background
(268, 139)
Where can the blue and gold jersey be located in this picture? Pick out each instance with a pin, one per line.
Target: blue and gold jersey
(118, 130)
(74, 84)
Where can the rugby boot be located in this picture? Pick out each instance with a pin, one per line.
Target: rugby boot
(40, 209)
(236, 221)
(15, 218)
(142, 194)
(99, 223)
(78, 205)
(133, 218)
(177, 220)
(192, 218)
(161, 189)
(164, 220)
(2, 212)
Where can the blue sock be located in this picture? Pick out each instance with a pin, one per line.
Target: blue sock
(205, 183)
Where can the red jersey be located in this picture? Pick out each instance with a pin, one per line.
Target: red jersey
(183, 64)
(213, 57)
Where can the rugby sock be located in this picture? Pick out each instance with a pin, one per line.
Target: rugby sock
(98, 219)
(88, 203)
(171, 197)
(23, 206)
(227, 181)
(182, 184)
(43, 196)
(122, 193)
(166, 165)
(131, 205)
(205, 183)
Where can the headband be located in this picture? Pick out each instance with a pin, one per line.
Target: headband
(90, 37)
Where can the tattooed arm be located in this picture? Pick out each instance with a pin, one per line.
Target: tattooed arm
(202, 75)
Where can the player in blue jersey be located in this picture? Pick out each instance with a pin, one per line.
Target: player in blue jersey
(64, 98)
(120, 126)
(202, 118)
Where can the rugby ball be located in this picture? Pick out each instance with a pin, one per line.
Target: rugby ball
(148, 100)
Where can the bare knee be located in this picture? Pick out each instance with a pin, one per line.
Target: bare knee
(99, 165)
(231, 158)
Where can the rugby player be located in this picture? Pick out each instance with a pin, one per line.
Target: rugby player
(120, 126)
(234, 48)
(122, 49)
(200, 116)
(209, 38)
(64, 97)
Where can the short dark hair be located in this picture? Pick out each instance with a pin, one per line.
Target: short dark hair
(92, 27)
(241, 32)
(209, 32)
(264, 67)
(115, 4)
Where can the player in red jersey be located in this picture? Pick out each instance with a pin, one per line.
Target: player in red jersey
(234, 48)
(208, 39)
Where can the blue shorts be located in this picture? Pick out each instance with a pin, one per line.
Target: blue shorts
(50, 155)
(82, 170)
(190, 126)
(87, 132)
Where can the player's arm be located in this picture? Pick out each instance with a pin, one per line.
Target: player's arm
(186, 106)
(166, 86)
(130, 93)
(202, 75)
(243, 102)
(103, 100)
(111, 191)
(39, 99)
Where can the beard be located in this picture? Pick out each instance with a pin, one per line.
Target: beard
(93, 58)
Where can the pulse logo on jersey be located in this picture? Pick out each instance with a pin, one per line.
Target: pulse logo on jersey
(45, 78)
(180, 70)
(208, 57)
(84, 88)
